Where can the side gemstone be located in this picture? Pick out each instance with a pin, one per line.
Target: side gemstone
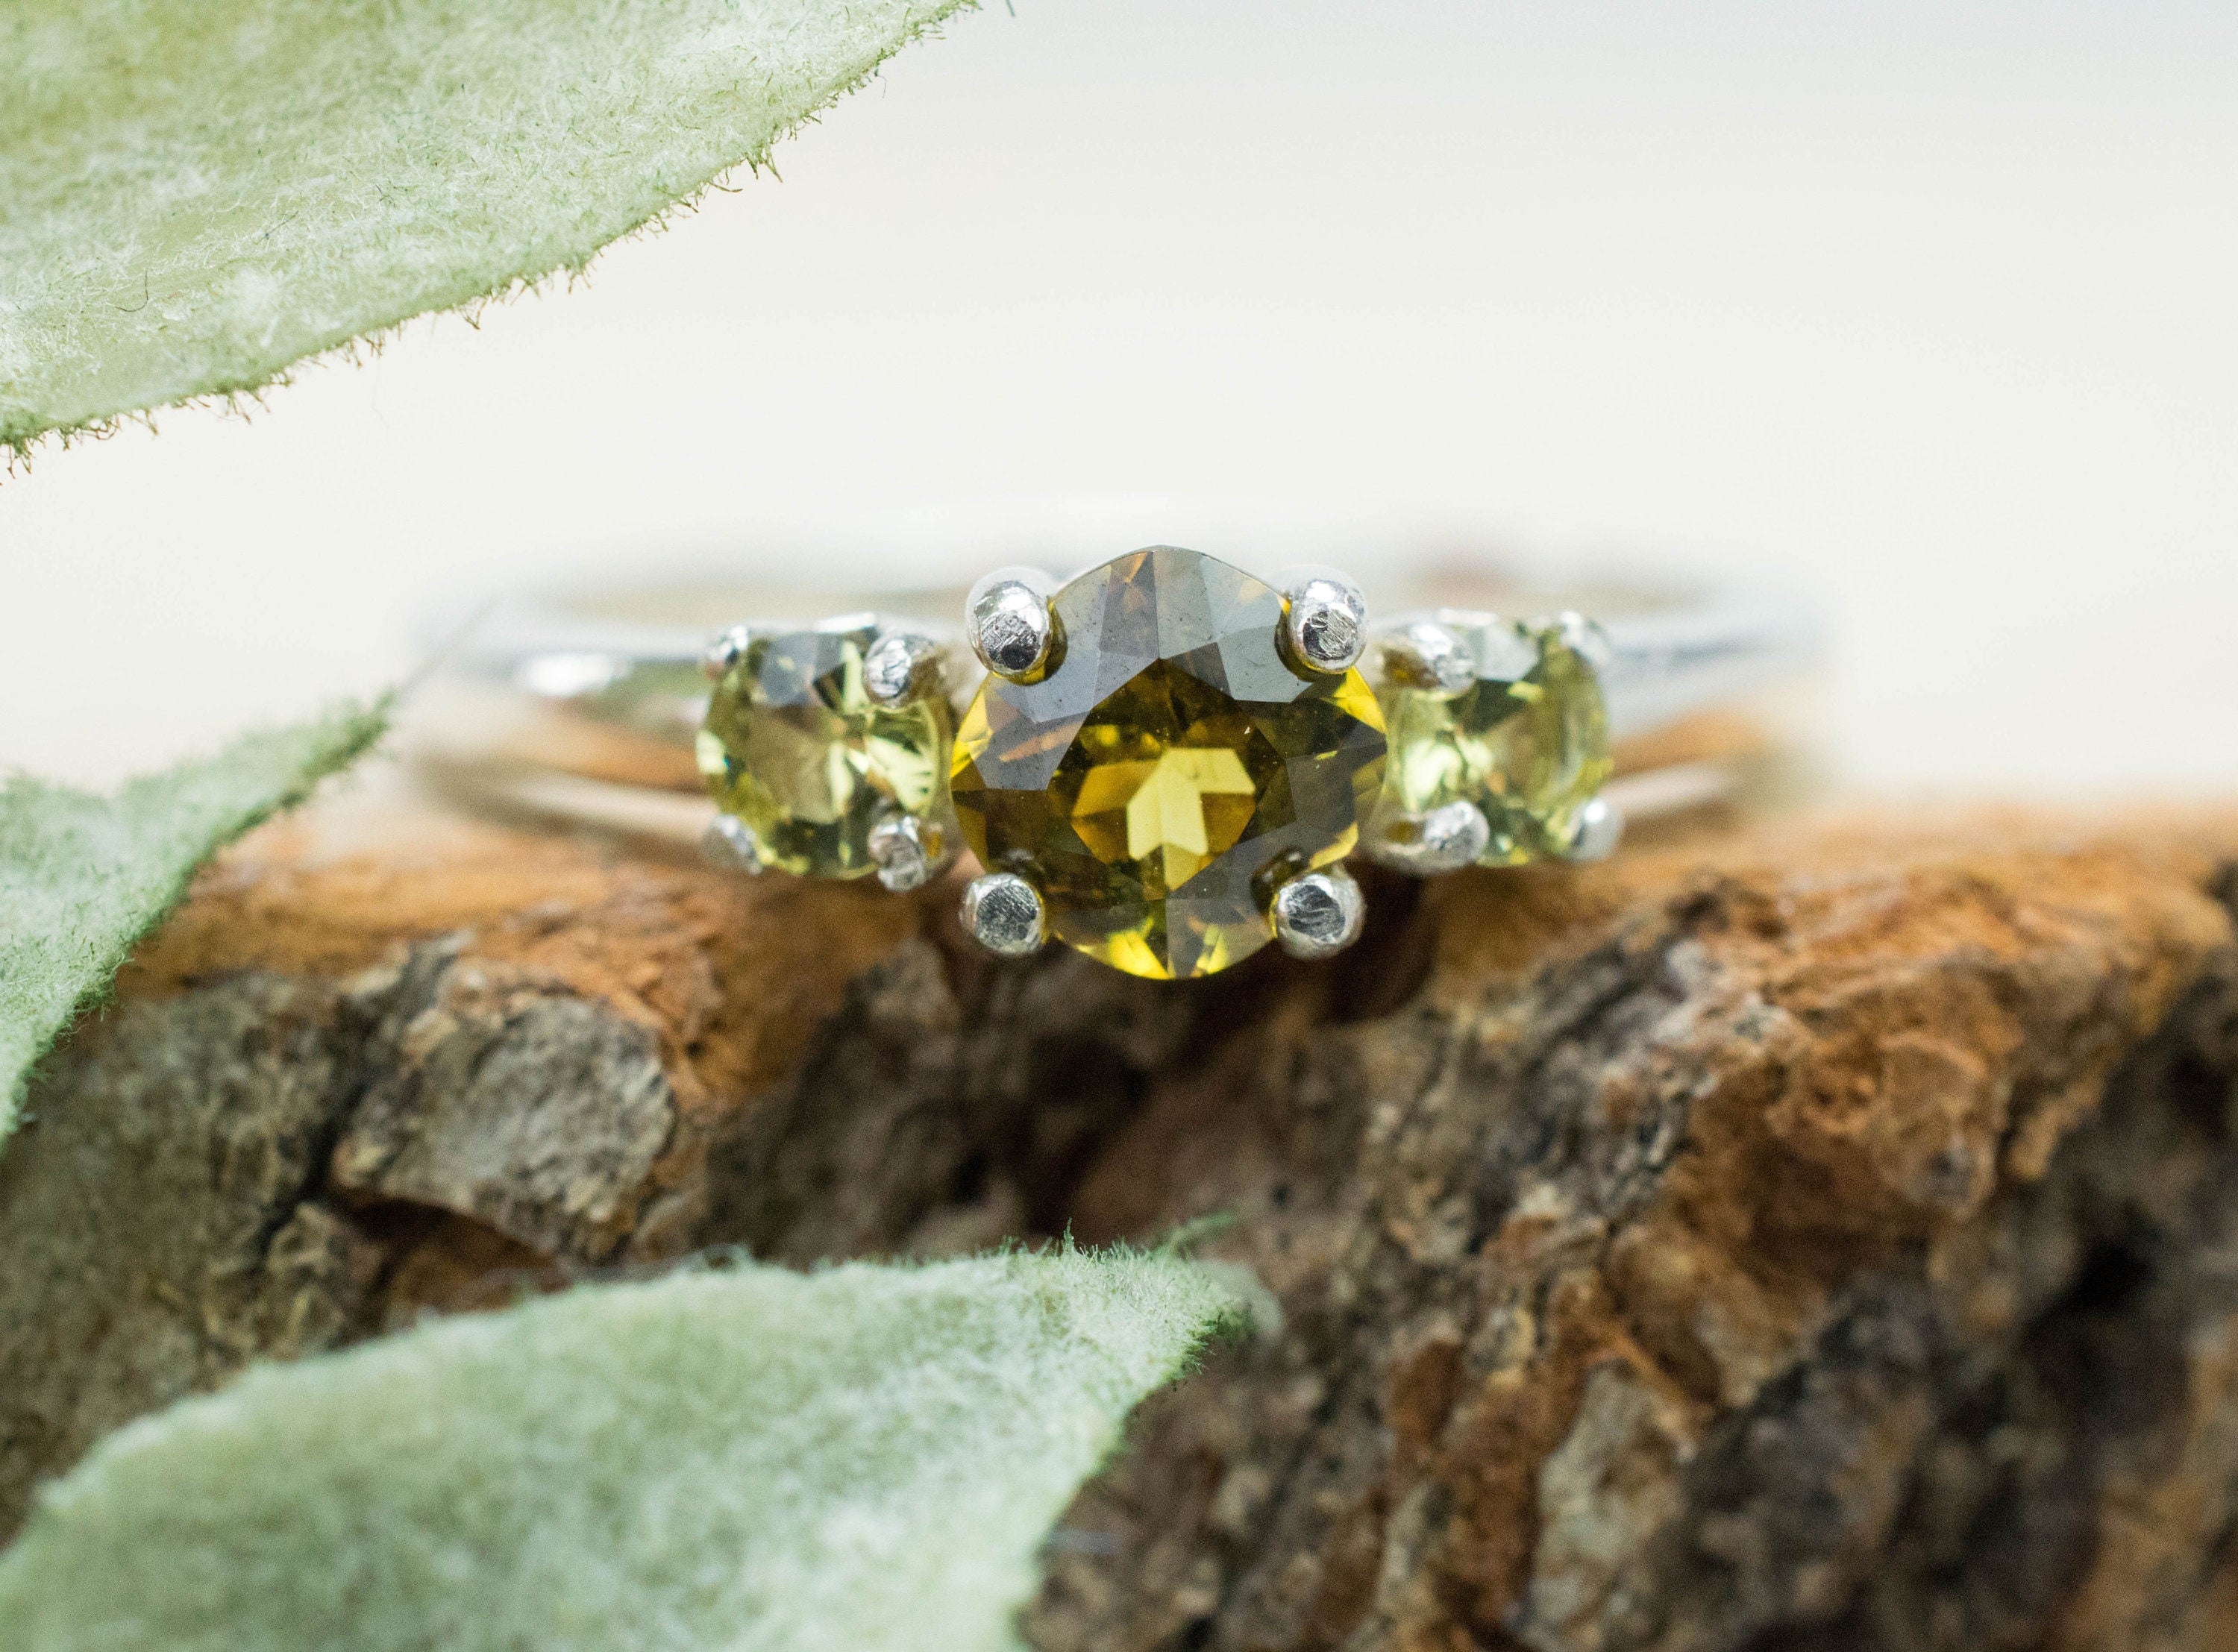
(1525, 738)
(795, 747)
(1167, 771)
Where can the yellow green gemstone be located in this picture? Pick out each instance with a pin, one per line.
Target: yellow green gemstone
(794, 746)
(1169, 769)
(1526, 741)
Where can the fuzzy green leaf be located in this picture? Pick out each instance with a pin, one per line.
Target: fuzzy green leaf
(195, 194)
(84, 878)
(863, 1459)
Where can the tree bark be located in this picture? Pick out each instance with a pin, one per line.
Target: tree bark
(1818, 1235)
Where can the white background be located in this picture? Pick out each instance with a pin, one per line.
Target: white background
(1933, 314)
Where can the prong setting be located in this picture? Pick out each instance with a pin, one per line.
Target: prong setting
(1324, 620)
(1445, 839)
(1428, 655)
(1317, 913)
(1583, 637)
(728, 842)
(1003, 912)
(727, 648)
(910, 851)
(1009, 624)
(902, 665)
(1598, 828)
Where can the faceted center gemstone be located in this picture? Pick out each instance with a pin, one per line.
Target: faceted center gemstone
(795, 746)
(1526, 741)
(1168, 768)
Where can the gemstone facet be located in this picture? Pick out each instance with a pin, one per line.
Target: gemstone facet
(1524, 738)
(797, 747)
(1167, 769)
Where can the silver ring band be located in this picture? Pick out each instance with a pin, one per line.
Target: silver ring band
(1665, 664)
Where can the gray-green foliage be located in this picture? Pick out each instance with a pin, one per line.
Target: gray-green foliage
(864, 1459)
(195, 194)
(83, 878)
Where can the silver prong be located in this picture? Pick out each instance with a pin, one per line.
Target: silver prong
(1324, 620)
(1598, 828)
(1009, 623)
(726, 651)
(729, 843)
(1003, 912)
(1583, 637)
(910, 851)
(1445, 839)
(1505, 653)
(902, 665)
(1427, 655)
(1318, 913)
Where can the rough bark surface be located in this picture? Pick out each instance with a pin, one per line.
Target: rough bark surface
(1821, 1236)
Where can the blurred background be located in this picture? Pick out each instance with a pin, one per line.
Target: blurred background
(1930, 312)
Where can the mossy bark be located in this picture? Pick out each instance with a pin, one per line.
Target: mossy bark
(1817, 1236)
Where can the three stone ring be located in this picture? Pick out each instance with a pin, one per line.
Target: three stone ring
(1164, 762)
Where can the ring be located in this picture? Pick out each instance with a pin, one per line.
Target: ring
(1163, 761)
